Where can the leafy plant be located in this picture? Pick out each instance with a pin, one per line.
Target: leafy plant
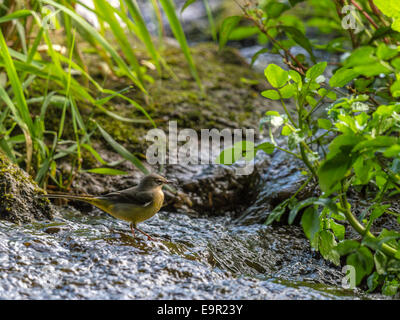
(351, 146)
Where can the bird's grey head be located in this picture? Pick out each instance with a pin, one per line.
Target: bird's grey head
(152, 180)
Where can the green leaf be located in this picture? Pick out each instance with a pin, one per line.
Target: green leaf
(396, 63)
(385, 52)
(391, 8)
(300, 39)
(271, 94)
(311, 101)
(392, 151)
(338, 161)
(342, 77)
(362, 56)
(286, 131)
(333, 170)
(381, 32)
(275, 9)
(372, 70)
(120, 37)
(324, 124)
(295, 76)
(373, 281)
(395, 89)
(226, 28)
(242, 32)
(326, 202)
(16, 85)
(362, 169)
(327, 246)
(97, 156)
(393, 266)
(390, 287)
(288, 91)
(347, 246)
(375, 144)
(337, 228)
(242, 149)
(310, 222)
(380, 260)
(363, 262)
(267, 147)
(276, 76)
(277, 212)
(316, 70)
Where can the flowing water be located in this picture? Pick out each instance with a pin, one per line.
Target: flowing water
(90, 255)
(93, 256)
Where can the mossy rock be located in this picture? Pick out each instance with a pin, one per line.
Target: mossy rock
(19, 201)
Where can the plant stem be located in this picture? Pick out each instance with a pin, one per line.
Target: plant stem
(357, 226)
(287, 112)
(301, 68)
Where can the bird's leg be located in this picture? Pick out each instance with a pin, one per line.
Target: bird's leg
(132, 229)
(141, 231)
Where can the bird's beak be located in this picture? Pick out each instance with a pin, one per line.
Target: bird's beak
(169, 182)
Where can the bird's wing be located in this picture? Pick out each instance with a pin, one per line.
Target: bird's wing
(131, 196)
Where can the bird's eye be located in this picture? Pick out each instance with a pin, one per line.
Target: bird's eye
(159, 181)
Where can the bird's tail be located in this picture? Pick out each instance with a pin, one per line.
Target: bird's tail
(88, 198)
(96, 201)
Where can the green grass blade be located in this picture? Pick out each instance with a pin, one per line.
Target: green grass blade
(7, 150)
(15, 15)
(103, 42)
(134, 103)
(118, 31)
(144, 33)
(187, 4)
(176, 27)
(61, 129)
(210, 20)
(15, 84)
(122, 151)
(108, 171)
(159, 21)
(97, 156)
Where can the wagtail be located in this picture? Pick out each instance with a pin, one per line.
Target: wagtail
(134, 204)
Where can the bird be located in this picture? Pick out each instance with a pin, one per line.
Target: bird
(135, 204)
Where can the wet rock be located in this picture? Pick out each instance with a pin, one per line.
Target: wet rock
(280, 252)
(18, 195)
(218, 190)
(52, 230)
(279, 180)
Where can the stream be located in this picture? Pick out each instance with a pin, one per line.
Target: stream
(90, 255)
(218, 250)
